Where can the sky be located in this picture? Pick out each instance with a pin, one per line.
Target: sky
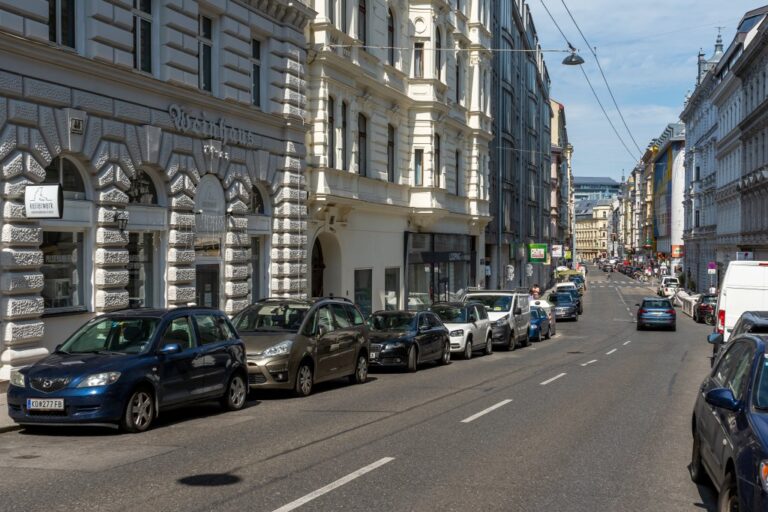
(648, 51)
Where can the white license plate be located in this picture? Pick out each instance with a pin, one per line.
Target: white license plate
(45, 404)
(374, 355)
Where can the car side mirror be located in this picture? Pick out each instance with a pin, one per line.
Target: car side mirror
(472, 319)
(322, 330)
(518, 311)
(170, 348)
(722, 398)
(715, 338)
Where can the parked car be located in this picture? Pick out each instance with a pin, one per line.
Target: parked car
(408, 338)
(750, 322)
(744, 286)
(655, 312)
(510, 315)
(607, 267)
(730, 426)
(549, 309)
(540, 326)
(705, 305)
(296, 343)
(565, 306)
(123, 368)
(579, 281)
(468, 326)
(567, 286)
(668, 286)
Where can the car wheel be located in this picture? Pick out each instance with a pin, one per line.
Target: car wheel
(445, 358)
(539, 337)
(413, 359)
(639, 327)
(468, 349)
(695, 317)
(549, 332)
(674, 328)
(237, 391)
(576, 319)
(304, 380)
(698, 474)
(139, 411)
(488, 346)
(512, 342)
(361, 370)
(728, 499)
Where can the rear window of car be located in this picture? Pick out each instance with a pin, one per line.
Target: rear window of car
(712, 299)
(660, 304)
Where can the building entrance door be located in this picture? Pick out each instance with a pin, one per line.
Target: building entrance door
(207, 289)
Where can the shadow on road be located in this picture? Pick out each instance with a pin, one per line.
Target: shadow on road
(708, 498)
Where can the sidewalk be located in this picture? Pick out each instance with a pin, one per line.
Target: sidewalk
(6, 424)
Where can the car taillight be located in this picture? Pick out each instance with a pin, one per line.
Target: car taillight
(641, 311)
(721, 321)
(670, 311)
(764, 475)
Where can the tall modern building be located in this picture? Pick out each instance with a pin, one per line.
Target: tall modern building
(594, 188)
(520, 181)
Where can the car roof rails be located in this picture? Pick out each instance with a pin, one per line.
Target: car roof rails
(332, 297)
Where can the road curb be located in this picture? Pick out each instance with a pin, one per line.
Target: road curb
(9, 428)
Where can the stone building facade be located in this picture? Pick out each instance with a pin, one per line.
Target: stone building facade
(176, 131)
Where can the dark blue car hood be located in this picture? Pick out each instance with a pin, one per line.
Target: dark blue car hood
(75, 365)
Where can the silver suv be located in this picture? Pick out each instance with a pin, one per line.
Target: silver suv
(510, 315)
(295, 343)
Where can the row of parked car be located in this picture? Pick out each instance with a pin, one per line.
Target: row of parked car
(124, 368)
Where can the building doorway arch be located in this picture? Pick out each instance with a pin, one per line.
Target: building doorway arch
(325, 279)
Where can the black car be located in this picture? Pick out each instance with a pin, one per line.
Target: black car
(754, 322)
(565, 306)
(730, 426)
(407, 338)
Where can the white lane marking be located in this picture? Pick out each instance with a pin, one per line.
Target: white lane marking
(627, 342)
(611, 351)
(486, 411)
(333, 485)
(589, 362)
(552, 379)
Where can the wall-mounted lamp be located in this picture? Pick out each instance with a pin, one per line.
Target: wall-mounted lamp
(122, 220)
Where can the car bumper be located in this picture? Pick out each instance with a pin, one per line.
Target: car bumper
(458, 343)
(657, 321)
(500, 334)
(388, 357)
(566, 315)
(270, 373)
(98, 405)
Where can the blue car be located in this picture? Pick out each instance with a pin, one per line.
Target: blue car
(123, 368)
(656, 312)
(540, 328)
(730, 426)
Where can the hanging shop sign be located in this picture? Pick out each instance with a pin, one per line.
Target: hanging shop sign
(557, 251)
(43, 202)
(537, 253)
(677, 251)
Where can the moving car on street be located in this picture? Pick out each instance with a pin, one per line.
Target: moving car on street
(468, 326)
(123, 368)
(730, 426)
(565, 306)
(510, 315)
(656, 312)
(296, 343)
(408, 338)
(540, 326)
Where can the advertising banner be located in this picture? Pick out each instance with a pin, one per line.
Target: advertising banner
(537, 253)
(557, 251)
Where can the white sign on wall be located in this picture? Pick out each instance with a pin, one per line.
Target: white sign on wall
(43, 202)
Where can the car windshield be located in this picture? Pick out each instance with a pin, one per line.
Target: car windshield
(113, 335)
(395, 321)
(657, 304)
(563, 298)
(494, 302)
(272, 317)
(451, 314)
(534, 314)
(761, 390)
(712, 299)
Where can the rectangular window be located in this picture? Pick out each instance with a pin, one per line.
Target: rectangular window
(696, 218)
(458, 172)
(61, 22)
(63, 272)
(362, 145)
(255, 269)
(205, 53)
(331, 133)
(392, 288)
(438, 168)
(364, 290)
(390, 153)
(141, 270)
(418, 60)
(418, 167)
(256, 72)
(142, 35)
(344, 136)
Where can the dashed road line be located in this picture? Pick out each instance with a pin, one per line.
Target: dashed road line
(627, 342)
(552, 379)
(611, 351)
(485, 411)
(589, 362)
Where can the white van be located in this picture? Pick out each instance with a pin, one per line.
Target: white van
(744, 288)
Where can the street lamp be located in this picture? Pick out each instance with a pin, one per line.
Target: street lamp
(573, 59)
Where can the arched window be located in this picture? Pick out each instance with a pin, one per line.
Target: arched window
(142, 189)
(257, 201)
(362, 23)
(438, 53)
(65, 172)
(390, 38)
(362, 145)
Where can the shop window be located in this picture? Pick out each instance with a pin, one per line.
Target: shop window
(364, 290)
(391, 288)
(65, 172)
(142, 35)
(142, 190)
(61, 22)
(63, 272)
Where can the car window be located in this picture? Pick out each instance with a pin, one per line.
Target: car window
(737, 380)
(727, 364)
(355, 315)
(657, 304)
(434, 322)
(423, 321)
(179, 331)
(481, 313)
(392, 321)
(272, 316)
(210, 329)
(534, 314)
(341, 316)
(227, 327)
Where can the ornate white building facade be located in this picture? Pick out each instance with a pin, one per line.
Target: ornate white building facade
(398, 150)
(176, 132)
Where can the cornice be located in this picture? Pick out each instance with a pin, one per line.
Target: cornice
(289, 12)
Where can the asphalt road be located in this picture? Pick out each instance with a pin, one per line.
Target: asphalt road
(596, 419)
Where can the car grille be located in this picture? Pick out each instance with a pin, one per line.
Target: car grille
(256, 378)
(49, 384)
(375, 347)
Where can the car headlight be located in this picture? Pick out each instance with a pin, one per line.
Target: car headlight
(18, 379)
(764, 475)
(534, 326)
(394, 345)
(457, 332)
(99, 379)
(501, 322)
(280, 349)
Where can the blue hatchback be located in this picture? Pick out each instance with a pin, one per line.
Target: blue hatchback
(122, 368)
(656, 312)
(730, 426)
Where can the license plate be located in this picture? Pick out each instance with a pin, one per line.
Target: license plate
(45, 404)
(374, 355)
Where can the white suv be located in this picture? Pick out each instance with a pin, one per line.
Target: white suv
(468, 325)
(669, 286)
(510, 315)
